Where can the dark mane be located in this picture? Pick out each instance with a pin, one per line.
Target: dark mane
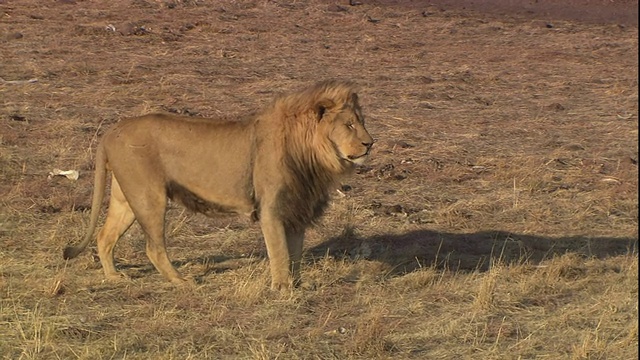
(312, 170)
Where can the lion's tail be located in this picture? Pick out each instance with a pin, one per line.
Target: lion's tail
(100, 180)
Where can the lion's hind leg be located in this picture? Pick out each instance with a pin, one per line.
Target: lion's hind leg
(149, 205)
(157, 253)
(119, 218)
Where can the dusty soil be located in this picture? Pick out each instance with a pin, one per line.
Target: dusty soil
(622, 12)
(497, 218)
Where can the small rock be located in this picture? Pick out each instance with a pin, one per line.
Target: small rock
(555, 107)
(14, 36)
(49, 209)
(395, 209)
(426, 79)
(574, 147)
(187, 27)
(430, 10)
(336, 8)
(372, 20)
(402, 144)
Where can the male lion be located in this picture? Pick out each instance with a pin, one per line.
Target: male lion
(279, 165)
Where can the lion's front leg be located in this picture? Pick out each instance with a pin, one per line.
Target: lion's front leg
(295, 242)
(275, 238)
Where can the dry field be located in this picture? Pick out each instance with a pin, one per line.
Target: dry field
(497, 218)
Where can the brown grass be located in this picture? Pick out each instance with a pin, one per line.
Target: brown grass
(497, 219)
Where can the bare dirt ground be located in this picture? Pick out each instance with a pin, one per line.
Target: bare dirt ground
(623, 12)
(497, 218)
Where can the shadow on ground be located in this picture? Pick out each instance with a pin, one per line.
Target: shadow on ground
(213, 264)
(408, 252)
(466, 252)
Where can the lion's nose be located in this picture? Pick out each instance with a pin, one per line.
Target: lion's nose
(368, 145)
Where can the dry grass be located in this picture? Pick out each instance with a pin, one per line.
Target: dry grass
(497, 219)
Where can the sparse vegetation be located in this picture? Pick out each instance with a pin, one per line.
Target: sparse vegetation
(497, 219)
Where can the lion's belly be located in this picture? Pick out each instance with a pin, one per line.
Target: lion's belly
(211, 177)
(214, 204)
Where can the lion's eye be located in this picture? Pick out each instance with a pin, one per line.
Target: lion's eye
(350, 126)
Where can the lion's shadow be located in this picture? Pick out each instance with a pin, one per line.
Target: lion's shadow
(465, 252)
(410, 251)
(214, 264)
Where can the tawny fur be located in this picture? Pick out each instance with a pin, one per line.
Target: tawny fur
(278, 165)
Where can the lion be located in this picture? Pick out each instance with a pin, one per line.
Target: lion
(279, 166)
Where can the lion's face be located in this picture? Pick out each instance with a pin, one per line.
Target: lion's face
(348, 135)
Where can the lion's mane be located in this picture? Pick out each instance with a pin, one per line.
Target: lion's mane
(310, 166)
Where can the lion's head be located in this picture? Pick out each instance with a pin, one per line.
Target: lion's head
(344, 127)
(325, 124)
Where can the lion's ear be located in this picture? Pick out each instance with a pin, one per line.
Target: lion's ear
(322, 106)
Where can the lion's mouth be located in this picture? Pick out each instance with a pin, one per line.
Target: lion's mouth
(354, 159)
(358, 159)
